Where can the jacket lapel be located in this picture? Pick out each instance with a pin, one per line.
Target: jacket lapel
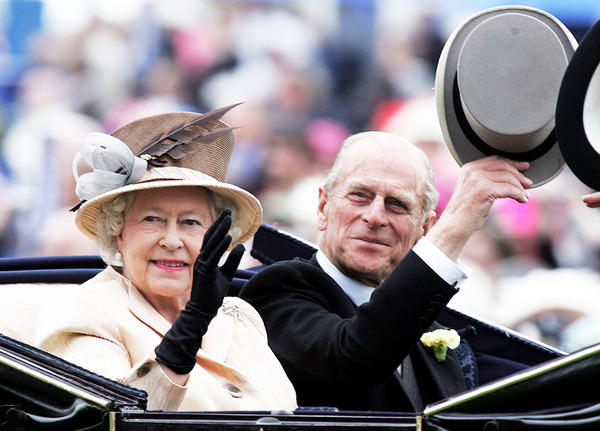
(437, 380)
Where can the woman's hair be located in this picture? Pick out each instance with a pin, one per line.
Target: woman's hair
(111, 218)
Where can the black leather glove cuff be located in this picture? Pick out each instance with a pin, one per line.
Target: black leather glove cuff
(180, 344)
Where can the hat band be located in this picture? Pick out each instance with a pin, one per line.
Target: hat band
(481, 145)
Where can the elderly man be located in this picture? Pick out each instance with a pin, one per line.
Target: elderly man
(346, 325)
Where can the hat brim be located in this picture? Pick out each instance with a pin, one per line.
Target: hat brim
(546, 160)
(248, 211)
(579, 153)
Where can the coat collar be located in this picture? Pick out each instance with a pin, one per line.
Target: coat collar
(220, 329)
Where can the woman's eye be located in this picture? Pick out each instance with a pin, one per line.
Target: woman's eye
(191, 222)
(151, 219)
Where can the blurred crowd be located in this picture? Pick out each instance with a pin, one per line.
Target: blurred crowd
(310, 73)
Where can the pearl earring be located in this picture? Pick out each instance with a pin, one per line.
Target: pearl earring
(118, 255)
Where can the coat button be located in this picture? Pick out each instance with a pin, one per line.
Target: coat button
(144, 369)
(233, 390)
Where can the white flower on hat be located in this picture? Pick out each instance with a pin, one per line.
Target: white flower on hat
(113, 165)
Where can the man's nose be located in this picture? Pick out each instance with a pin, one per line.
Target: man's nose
(375, 214)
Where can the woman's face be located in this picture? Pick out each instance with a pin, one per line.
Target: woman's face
(161, 238)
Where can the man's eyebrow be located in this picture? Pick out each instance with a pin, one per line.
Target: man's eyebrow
(358, 184)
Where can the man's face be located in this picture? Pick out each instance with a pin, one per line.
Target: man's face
(374, 215)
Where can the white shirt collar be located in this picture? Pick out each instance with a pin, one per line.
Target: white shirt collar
(358, 292)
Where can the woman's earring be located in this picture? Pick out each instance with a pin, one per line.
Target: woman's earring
(118, 255)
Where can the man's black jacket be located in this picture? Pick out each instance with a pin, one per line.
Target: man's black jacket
(340, 355)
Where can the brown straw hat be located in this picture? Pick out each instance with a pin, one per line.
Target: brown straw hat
(167, 150)
(496, 86)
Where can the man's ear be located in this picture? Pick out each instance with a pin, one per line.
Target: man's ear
(321, 207)
(429, 222)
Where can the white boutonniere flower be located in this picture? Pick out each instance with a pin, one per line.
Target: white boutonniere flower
(440, 341)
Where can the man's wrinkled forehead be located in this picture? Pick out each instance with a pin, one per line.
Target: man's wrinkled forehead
(399, 158)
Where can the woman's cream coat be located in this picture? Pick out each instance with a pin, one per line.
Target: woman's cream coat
(108, 327)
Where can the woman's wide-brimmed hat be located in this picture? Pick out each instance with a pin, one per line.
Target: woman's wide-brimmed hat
(578, 110)
(168, 150)
(497, 85)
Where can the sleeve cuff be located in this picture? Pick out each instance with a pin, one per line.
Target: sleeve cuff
(454, 273)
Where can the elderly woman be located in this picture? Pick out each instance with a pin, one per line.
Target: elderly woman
(157, 317)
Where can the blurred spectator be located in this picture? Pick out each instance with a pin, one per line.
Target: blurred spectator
(252, 134)
(295, 167)
(38, 148)
(581, 332)
(544, 302)
(108, 63)
(289, 162)
(324, 137)
(161, 90)
(56, 236)
(8, 235)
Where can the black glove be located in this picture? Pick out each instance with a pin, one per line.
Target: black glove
(210, 284)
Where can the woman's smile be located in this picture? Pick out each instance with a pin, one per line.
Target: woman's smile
(170, 265)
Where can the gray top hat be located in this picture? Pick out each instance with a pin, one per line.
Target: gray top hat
(497, 85)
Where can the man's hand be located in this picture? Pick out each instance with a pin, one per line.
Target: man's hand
(480, 183)
(592, 200)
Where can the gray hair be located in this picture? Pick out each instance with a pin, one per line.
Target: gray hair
(111, 218)
(338, 172)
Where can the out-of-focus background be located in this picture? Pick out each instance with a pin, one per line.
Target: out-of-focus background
(311, 72)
